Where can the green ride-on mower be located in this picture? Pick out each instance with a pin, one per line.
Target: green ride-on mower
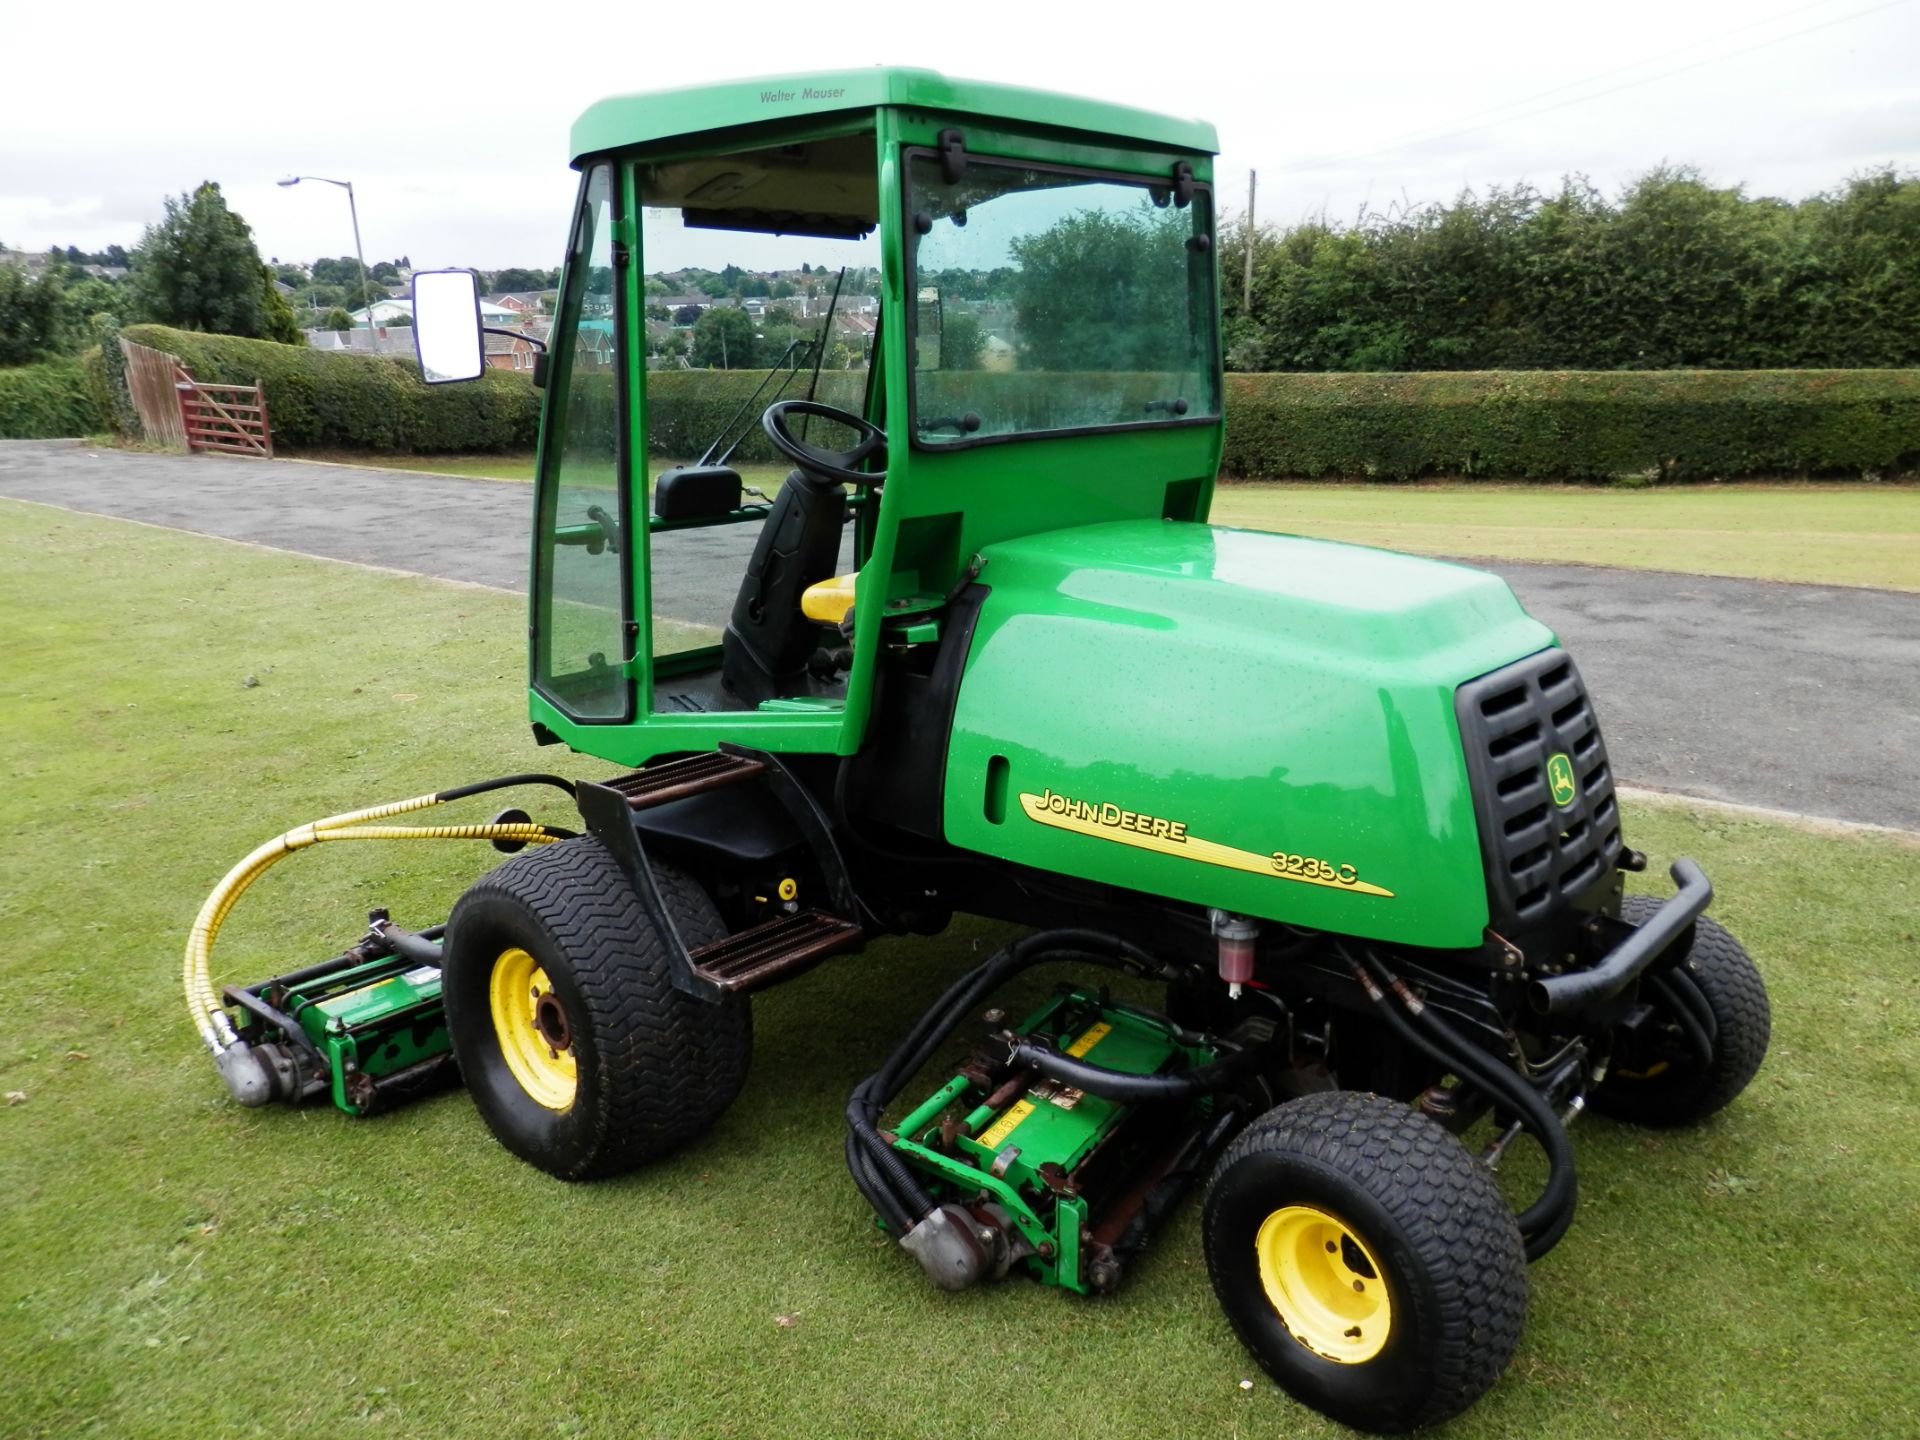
(1348, 811)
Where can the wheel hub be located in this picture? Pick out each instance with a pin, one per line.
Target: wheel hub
(1324, 1283)
(536, 1038)
(550, 1020)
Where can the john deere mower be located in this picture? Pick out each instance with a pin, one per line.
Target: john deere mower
(1346, 813)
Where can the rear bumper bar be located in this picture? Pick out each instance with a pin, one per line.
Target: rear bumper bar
(1559, 994)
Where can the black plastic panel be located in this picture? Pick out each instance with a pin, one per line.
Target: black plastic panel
(1541, 855)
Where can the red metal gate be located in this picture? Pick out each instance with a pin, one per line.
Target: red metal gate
(229, 418)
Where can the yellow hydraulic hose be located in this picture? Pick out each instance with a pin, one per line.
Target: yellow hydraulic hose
(209, 1015)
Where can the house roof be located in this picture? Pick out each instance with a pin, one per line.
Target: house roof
(490, 313)
(662, 114)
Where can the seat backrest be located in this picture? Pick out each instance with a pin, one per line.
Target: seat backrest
(769, 639)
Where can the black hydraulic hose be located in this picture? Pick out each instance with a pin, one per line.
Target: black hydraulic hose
(878, 1170)
(1561, 1191)
(1133, 1089)
(408, 945)
(1544, 1221)
(1682, 1011)
(505, 782)
(1686, 990)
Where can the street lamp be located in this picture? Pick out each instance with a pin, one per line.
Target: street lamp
(366, 290)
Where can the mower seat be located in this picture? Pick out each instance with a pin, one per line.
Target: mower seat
(828, 601)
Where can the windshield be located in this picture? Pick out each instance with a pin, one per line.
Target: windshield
(1048, 300)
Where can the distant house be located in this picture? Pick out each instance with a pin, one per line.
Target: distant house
(509, 352)
(702, 303)
(385, 312)
(526, 302)
(593, 345)
(384, 341)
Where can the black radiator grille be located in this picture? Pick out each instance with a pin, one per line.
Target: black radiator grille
(1541, 849)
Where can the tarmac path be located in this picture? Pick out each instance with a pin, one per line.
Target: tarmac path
(1791, 697)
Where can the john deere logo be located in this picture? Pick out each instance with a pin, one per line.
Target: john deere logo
(1560, 779)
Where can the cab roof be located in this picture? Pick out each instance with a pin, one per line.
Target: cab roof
(625, 120)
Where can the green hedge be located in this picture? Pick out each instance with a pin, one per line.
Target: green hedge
(48, 402)
(686, 408)
(1518, 425)
(1575, 425)
(1504, 425)
(317, 398)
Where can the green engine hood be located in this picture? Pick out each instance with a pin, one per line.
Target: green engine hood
(1258, 722)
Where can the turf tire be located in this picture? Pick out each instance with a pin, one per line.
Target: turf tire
(655, 1066)
(1448, 1247)
(1687, 1090)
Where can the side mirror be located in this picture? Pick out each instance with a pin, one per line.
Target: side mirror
(446, 326)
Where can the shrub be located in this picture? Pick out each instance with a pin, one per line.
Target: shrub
(48, 402)
(1578, 425)
(106, 370)
(359, 402)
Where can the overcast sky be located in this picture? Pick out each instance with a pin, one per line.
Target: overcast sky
(452, 120)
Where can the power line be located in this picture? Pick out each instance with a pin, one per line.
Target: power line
(1329, 160)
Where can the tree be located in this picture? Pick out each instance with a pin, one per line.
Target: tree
(516, 278)
(277, 317)
(329, 270)
(659, 312)
(33, 317)
(337, 319)
(1674, 271)
(198, 269)
(724, 339)
(687, 315)
(961, 341)
(89, 297)
(1105, 291)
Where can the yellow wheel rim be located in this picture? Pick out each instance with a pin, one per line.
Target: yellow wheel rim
(1325, 1283)
(533, 1030)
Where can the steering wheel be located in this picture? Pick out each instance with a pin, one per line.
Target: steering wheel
(834, 464)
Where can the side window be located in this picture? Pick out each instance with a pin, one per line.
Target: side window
(580, 608)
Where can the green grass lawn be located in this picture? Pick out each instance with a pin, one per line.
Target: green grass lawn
(1817, 534)
(1823, 534)
(172, 1265)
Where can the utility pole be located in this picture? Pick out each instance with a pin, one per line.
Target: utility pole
(366, 290)
(1246, 294)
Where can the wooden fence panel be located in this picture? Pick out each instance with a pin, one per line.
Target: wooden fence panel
(151, 377)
